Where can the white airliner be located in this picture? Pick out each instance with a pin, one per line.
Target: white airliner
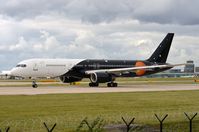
(99, 71)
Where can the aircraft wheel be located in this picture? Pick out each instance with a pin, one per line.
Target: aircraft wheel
(93, 84)
(114, 84)
(34, 84)
(111, 84)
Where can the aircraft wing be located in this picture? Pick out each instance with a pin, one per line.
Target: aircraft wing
(131, 69)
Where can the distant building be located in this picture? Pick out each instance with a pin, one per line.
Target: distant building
(189, 71)
(189, 67)
(197, 69)
(175, 71)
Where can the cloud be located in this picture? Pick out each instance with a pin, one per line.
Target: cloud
(181, 12)
(130, 29)
(21, 45)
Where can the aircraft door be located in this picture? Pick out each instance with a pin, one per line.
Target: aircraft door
(35, 67)
(96, 66)
(38, 68)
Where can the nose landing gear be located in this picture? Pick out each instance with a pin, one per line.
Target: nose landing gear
(34, 84)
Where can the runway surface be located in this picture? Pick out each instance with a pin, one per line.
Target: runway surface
(83, 89)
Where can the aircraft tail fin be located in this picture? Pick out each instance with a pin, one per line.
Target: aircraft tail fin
(162, 51)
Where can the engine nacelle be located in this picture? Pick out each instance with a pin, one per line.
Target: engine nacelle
(69, 79)
(101, 78)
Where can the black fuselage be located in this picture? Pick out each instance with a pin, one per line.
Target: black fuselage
(79, 69)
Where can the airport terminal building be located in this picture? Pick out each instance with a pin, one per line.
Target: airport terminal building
(189, 71)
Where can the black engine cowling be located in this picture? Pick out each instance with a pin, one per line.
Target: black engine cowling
(101, 78)
(69, 79)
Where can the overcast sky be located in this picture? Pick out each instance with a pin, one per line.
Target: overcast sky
(111, 29)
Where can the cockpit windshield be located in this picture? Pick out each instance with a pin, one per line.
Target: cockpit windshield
(21, 65)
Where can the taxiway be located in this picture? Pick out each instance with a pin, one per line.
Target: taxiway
(25, 90)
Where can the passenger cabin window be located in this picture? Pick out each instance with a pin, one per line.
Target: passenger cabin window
(21, 65)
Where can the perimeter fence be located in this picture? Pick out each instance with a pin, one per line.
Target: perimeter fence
(125, 124)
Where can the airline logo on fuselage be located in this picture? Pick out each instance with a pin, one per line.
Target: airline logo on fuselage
(141, 71)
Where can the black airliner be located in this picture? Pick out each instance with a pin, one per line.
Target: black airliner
(98, 71)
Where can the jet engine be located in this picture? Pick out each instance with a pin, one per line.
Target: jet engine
(101, 78)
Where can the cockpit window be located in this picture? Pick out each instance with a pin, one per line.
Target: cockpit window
(21, 65)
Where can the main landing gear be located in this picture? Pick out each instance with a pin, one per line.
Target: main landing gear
(34, 84)
(93, 84)
(111, 84)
